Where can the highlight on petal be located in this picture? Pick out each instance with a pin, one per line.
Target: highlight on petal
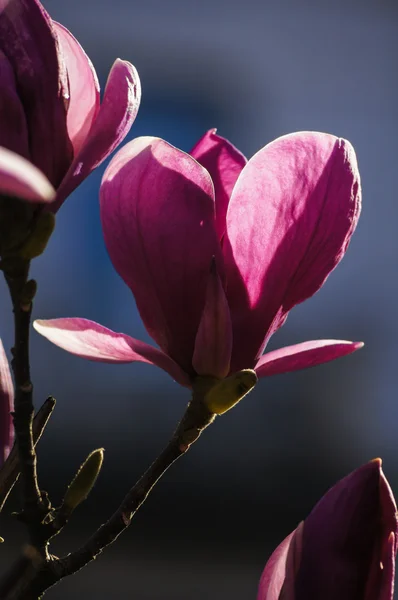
(116, 115)
(224, 162)
(84, 96)
(289, 221)
(18, 177)
(303, 356)
(157, 212)
(28, 39)
(213, 343)
(6, 406)
(90, 340)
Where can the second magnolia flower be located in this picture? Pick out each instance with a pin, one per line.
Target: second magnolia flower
(218, 250)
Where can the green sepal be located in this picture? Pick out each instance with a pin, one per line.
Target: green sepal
(229, 391)
(38, 239)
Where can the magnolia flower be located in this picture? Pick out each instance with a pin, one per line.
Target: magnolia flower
(54, 131)
(344, 550)
(217, 255)
(6, 407)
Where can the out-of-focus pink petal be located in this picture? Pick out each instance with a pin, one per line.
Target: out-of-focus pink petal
(290, 218)
(157, 211)
(302, 356)
(95, 342)
(6, 406)
(116, 115)
(213, 343)
(84, 96)
(18, 177)
(341, 536)
(30, 43)
(273, 576)
(13, 131)
(224, 163)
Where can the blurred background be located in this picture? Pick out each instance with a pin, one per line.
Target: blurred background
(255, 70)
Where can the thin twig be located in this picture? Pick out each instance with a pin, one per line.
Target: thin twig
(16, 272)
(10, 471)
(197, 417)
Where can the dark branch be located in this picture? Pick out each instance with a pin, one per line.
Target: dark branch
(16, 272)
(195, 420)
(10, 471)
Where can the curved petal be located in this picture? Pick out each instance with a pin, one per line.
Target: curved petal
(290, 218)
(224, 163)
(84, 96)
(30, 43)
(90, 340)
(213, 342)
(157, 212)
(6, 406)
(18, 177)
(273, 576)
(341, 536)
(116, 115)
(302, 356)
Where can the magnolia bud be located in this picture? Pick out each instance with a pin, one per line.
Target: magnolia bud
(83, 481)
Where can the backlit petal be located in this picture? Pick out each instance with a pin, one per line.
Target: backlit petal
(95, 342)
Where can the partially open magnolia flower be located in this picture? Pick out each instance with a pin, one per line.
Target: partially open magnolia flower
(51, 114)
(344, 550)
(6, 407)
(217, 255)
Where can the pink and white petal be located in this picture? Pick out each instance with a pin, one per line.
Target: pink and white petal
(113, 122)
(290, 219)
(6, 406)
(157, 212)
(90, 340)
(19, 178)
(224, 163)
(213, 343)
(84, 91)
(303, 356)
(273, 576)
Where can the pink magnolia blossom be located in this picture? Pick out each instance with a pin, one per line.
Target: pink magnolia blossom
(50, 111)
(217, 255)
(345, 549)
(6, 407)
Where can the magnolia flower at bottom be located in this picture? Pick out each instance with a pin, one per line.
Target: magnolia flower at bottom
(344, 550)
(218, 250)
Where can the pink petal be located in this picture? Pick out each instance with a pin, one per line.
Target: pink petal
(28, 39)
(213, 343)
(18, 177)
(95, 342)
(84, 97)
(302, 356)
(273, 576)
(289, 222)
(6, 406)
(157, 212)
(224, 163)
(116, 115)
